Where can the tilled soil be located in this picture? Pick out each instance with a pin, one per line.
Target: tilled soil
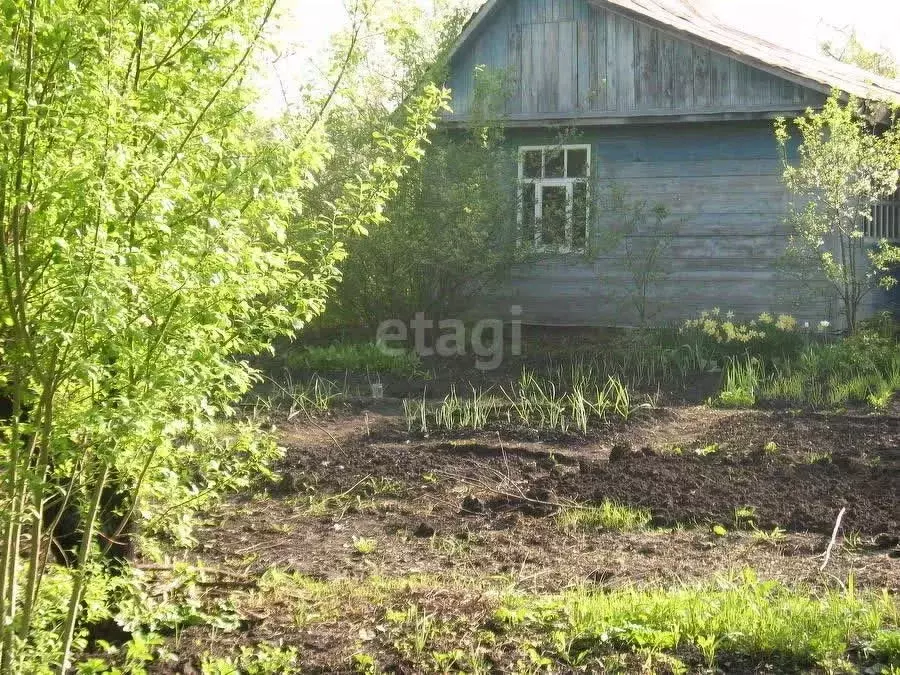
(476, 507)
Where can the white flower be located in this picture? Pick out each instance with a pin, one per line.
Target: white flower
(806, 325)
(824, 324)
(729, 315)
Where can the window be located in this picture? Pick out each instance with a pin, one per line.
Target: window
(554, 204)
(885, 222)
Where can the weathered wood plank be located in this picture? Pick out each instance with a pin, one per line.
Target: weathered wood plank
(529, 102)
(684, 76)
(567, 73)
(625, 63)
(611, 67)
(550, 58)
(646, 70)
(701, 77)
(767, 169)
(586, 65)
(668, 70)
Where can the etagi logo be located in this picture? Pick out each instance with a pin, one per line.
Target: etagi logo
(486, 338)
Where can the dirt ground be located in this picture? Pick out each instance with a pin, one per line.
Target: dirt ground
(479, 510)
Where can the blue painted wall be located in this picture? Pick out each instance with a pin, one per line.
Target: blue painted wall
(721, 183)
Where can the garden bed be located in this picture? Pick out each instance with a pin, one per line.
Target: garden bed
(368, 519)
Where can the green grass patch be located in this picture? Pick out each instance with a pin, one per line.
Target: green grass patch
(861, 370)
(763, 622)
(362, 358)
(608, 515)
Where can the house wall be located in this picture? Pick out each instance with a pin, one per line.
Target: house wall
(722, 184)
(567, 58)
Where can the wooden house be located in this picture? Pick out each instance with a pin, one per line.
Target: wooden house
(652, 101)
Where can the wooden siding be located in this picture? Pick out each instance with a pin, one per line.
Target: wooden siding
(568, 58)
(722, 184)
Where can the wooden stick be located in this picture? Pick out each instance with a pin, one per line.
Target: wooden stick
(837, 526)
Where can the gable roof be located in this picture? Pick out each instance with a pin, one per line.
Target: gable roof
(683, 18)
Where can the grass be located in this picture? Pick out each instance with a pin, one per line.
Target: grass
(861, 370)
(758, 621)
(608, 515)
(741, 383)
(760, 624)
(365, 545)
(363, 358)
(532, 402)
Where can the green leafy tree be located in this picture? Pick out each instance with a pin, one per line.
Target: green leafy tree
(450, 235)
(845, 167)
(451, 220)
(152, 229)
(854, 52)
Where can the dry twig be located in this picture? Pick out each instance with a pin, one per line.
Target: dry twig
(837, 527)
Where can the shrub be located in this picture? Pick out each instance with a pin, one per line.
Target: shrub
(451, 234)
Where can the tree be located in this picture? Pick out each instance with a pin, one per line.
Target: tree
(852, 51)
(152, 230)
(639, 236)
(451, 220)
(846, 165)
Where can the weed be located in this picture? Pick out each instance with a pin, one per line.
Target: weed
(771, 448)
(798, 628)
(742, 381)
(853, 541)
(776, 536)
(364, 545)
(264, 659)
(608, 515)
(744, 516)
(707, 450)
(290, 398)
(365, 664)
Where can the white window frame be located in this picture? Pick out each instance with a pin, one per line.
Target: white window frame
(885, 221)
(542, 182)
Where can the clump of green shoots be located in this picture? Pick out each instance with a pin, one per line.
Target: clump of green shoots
(608, 515)
(532, 402)
(742, 381)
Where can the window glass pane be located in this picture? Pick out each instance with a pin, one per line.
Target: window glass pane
(531, 164)
(528, 199)
(578, 163)
(555, 164)
(553, 217)
(579, 215)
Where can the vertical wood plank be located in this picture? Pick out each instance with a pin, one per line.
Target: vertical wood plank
(567, 75)
(611, 67)
(528, 69)
(585, 53)
(625, 63)
(549, 97)
(514, 58)
(668, 70)
(701, 77)
(597, 84)
(684, 76)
